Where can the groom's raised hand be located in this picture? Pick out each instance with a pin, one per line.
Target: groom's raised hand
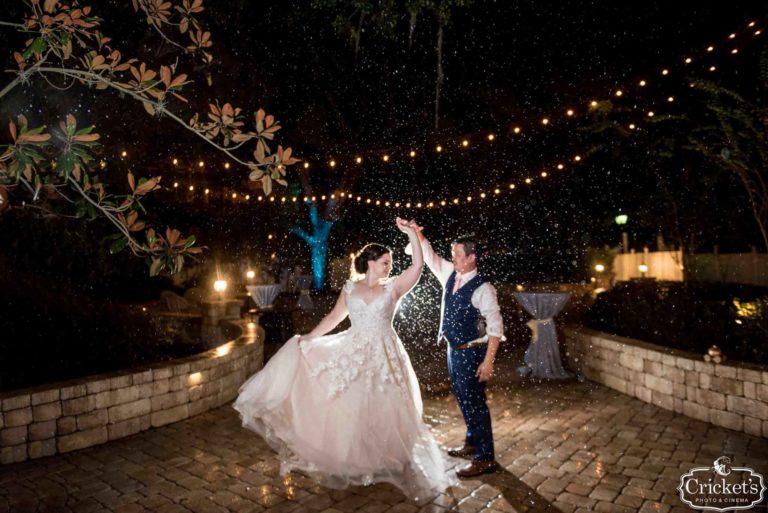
(416, 228)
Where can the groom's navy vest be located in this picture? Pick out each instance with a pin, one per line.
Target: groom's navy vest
(462, 322)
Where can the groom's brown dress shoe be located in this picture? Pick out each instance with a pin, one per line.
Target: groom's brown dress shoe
(465, 452)
(477, 468)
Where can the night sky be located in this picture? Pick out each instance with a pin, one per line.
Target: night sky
(506, 64)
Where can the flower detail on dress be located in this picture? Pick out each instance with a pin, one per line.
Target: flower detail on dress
(370, 350)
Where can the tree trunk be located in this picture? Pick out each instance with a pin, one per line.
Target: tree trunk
(440, 75)
(319, 258)
(412, 28)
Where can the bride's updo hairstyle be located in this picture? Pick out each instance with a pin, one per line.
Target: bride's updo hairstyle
(372, 251)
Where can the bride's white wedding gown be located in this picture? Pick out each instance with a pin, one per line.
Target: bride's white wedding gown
(346, 408)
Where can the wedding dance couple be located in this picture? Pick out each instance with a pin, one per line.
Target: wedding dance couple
(345, 409)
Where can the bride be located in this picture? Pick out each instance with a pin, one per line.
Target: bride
(345, 408)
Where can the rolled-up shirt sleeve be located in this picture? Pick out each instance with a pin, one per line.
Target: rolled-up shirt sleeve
(440, 267)
(484, 299)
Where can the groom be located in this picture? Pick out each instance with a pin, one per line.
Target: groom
(471, 326)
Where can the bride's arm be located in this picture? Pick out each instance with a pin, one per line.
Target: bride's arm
(330, 321)
(410, 276)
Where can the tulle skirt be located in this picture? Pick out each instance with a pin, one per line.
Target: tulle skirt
(368, 431)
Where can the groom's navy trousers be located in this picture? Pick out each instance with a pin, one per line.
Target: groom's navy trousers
(470, 394)
(458, 327)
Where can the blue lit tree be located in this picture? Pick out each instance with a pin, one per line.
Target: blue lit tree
(318, 243)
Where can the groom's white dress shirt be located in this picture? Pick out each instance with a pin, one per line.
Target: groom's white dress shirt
(483, 298)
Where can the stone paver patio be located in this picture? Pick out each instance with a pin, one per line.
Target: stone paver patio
(569, 447)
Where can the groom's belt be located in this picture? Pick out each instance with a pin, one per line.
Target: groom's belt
(475, 343)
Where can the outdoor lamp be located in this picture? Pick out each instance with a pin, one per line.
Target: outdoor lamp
(621, 219)
(599, 268)
(220, 286)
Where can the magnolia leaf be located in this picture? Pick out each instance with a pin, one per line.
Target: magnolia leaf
(260, 153)
(118, 245)
(172, 235)
(157, 266)
(147, 186)
(165, 75)
(266, 184)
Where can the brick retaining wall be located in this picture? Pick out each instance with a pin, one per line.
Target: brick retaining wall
(71, 415)
(731, 395)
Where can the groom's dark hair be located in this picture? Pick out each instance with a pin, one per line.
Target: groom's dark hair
(471, 245)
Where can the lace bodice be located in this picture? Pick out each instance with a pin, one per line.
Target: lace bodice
(375, 316)
(370, 349)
